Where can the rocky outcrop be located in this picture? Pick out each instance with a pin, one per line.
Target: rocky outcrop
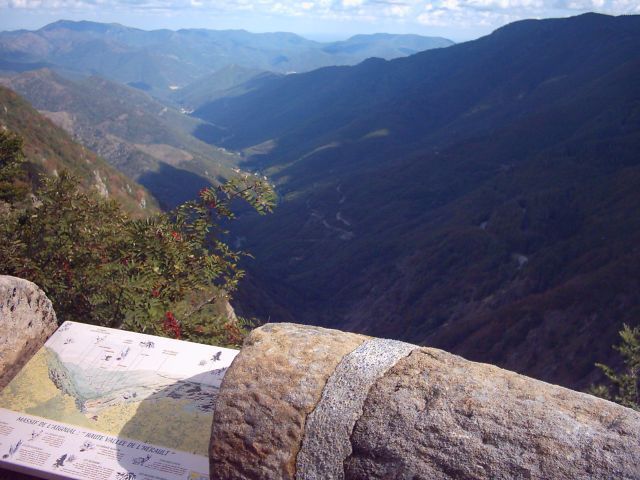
(27, 319)
(308, 403)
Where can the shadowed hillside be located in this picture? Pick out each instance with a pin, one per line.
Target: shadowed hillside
(482, 198)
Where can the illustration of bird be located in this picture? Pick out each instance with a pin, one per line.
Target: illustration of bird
(13, 449)
(86, 446)
(124, 353)
(60, 461)
(141, 460)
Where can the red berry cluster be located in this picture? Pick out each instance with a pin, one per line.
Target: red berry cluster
(171, 325)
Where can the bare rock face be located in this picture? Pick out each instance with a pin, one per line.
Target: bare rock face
(27, 319)
(308, 403)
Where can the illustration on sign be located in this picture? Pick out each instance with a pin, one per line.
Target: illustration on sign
(129, 400)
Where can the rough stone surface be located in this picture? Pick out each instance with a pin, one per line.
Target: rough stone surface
(326, 442)
(438, 416)
(27, 319)
(432, 415)
(266, 395)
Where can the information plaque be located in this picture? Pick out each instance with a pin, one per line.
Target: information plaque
(101, 404)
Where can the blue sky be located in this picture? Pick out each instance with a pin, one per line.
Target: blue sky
(319, 19)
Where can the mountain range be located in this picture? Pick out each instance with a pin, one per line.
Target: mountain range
(162, 61)
(482, 198)
(98, 82)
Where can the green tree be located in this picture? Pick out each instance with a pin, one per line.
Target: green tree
(164, 275)
(624, 387)
(13, 185)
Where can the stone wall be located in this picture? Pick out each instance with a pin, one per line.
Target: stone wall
(309, 403)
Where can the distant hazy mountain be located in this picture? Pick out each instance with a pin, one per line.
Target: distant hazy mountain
(144, 139)
(162, 60)
(483, 198)
(382, 45)
(49, 149)
(229, 81)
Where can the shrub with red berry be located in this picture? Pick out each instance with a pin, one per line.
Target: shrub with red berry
(169, 274)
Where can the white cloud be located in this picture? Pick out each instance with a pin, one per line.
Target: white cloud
(506, 4)
(433, 18)
(615, 7)
(419, 13)
(450, 5)
(397, 10)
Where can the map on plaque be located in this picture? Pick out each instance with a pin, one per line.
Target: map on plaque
(102, 404)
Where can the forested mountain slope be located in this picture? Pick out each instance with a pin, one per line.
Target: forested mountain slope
(482, 198)
(148, 141)
(49, 149)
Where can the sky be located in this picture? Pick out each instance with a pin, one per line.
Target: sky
(458, 20)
